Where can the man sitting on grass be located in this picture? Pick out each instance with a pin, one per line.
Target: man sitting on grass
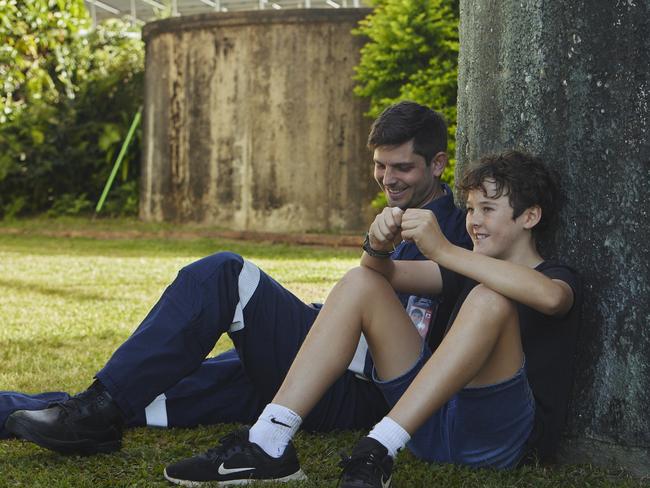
(477, 398)
(160, 376)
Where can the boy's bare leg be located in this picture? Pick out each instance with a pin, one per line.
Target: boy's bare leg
(482, 347)
(362, 301)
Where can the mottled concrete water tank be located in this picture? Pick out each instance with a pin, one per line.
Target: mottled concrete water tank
(571, 81)
(250, 122)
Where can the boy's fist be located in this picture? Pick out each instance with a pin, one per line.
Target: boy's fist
(421, 227)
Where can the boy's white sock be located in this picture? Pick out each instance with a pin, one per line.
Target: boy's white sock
(390, 434)
(274, 429)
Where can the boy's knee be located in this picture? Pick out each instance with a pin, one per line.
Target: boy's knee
(364, 285)
(363, 279)
(489, 301)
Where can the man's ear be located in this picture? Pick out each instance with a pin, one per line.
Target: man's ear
(439, 163)
(532, 216)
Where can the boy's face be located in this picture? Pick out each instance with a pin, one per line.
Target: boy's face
(490, 224)
(405, 178)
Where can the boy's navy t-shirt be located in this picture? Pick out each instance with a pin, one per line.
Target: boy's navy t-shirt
(549, 346)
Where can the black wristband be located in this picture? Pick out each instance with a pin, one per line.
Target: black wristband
(374, 253)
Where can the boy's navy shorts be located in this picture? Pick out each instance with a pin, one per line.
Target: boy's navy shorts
(480, 426)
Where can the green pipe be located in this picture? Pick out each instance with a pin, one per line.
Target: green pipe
(118, 161)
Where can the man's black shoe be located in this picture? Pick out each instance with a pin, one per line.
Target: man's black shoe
(369, 466)
(235, 461)
(88, 423)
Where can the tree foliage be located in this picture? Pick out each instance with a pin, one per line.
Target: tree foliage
(411, 54)
(68, 95)
(36, 40)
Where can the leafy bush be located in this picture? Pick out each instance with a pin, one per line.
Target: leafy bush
(411, 54)
(36, 42)
(68, 97)
(69, 204)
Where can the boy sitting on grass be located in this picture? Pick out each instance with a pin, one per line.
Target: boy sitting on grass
(496, 387)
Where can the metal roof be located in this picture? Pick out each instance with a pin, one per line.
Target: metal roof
(141, 11)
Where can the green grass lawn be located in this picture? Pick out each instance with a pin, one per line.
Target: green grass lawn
(67, 303)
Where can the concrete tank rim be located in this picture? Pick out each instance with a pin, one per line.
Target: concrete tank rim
(250, 17)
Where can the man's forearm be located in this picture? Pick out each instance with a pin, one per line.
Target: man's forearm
(382, 266)
(421, 278)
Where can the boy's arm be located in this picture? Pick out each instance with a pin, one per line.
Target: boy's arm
(412, 277)
(519, 283)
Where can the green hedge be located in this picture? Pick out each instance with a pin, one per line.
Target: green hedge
(68, 96)
(411, 54)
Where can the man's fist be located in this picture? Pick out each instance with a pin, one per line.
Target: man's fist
(385, 229)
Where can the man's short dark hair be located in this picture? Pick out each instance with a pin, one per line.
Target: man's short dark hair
(525, 179)
(404, 121)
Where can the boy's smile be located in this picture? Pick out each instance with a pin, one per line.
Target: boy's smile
(491, 227)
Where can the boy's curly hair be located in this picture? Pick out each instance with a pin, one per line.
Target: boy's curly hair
(525, 179)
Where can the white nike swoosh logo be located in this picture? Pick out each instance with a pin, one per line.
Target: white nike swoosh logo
(224, 471)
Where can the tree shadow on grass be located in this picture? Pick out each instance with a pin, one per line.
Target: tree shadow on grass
(53, 291)
(165, 247)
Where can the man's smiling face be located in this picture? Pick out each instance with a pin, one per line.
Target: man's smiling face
(404, 176)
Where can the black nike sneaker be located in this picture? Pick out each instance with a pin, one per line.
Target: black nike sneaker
(88, 423)
(369, 466)
(235, 461)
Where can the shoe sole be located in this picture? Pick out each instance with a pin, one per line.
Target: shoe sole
(82, 447)
(297, 476)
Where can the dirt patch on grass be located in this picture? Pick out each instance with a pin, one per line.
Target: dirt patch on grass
(326, 240)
